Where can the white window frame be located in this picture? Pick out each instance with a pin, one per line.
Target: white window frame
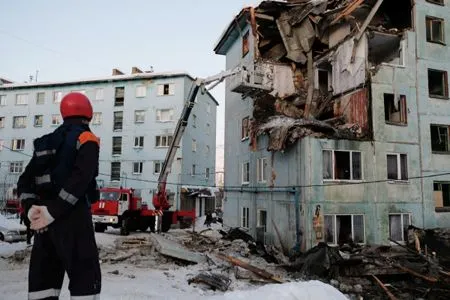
(114, 148)
(157, 163)
(258, 219)
(22, 124)
(138, 142)
(115, 117)
(161, 88)
(97, 118)
(245, 217)
(167, 113)
(402, 216)
(57, 96)
(38, 100)
(399, 167)
(56, 120)
(162, 137)
(99, 94)
(141, 91)
(194, 145)
(18, 144)
(36, 118)
(261, 175)
(335, 242)
(333, 179)
(16, 167)
(21, 99)
(432, 20)
(2, 100)
(140, 167)
(120, 170)
(139, 116)
(245, 132)
(243, 171)
(2, 121)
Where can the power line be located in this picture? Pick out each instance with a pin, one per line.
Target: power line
(256, 188)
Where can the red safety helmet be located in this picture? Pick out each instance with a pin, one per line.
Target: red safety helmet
(76, 105)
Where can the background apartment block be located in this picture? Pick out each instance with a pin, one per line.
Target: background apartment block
(134, 116)
(390, 86)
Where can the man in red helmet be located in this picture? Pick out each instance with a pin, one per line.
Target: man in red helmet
(56, 190)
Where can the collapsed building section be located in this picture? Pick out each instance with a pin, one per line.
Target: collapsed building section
(312, 63)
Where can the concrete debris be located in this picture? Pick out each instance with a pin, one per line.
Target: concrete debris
(312, 61)
(214, 281)
(174, 250)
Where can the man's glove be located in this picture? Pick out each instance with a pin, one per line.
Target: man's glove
(40, 218)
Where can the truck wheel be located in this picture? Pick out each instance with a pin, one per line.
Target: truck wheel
(99, 227)
(143, 225)
(124, 229)
(166, 221)
(152, 224)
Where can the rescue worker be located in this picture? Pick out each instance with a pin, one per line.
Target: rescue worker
(57, 187)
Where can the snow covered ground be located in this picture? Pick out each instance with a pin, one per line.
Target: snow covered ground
(126, 280)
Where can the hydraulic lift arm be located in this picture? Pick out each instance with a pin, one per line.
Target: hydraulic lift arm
(160, 201)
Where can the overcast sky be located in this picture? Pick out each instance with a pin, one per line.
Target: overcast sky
(68, 40)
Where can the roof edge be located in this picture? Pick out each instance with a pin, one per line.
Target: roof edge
(229, 29)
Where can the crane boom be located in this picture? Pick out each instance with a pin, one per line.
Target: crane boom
(160, 201)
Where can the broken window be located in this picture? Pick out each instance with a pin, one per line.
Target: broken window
(138, 142)
(115, 171)
(441, 196)
(437, 83)
(137, 167)
(244, 128)
(117, 145)
(166, 89)
(397, 166)
(342, 165)
(245, 217)
(118, 120)
(323, 78)
(398, 227)
(341, 229)
(395, 109)
(388, 15)
(119, 96)
(439, 138)
(435, 30)
(163, 140)
(386, 48)
(261, 169)
(262, 219)
(245, 44)
(245, 173)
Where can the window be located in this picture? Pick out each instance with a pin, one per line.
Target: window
(440, 2)
(119, 96)
(341, 229)
(19, 122)
(21, 99)
(99, 94)
(118, 120)
(166, 89)
(194, 145)
(139, 116)
(116, 145)
(163, 140)
(138, 142)
(56, 119)
(245, 217)
(194, 121)
(115, 171)
(208, 108)
(439, 138)
(244, 128)
(2, 122)
(207, 173)
(398, 227)
(16, 167)
(157, 166)
(18, 144)
(395, 109)
(164, 115)
(38, 120)
(40, 98)
(137, 167)
(57, 96)
(97, 118)
(245, 170)
(141, 91)
(262, 219)
(193, 170)
(342, 165)
(208, 129)
(261, 169)
(441, 196)
(437, 84)
(397, 166)
(245, 44)
(435, 30)
(2, 100)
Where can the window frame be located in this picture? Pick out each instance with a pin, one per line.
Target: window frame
(333, 179)
(3, 100)
(137, 113)
(24, 100)
(16, 167)
(139, 142)
(99, 94)
(115, 163)
(245, 132)
(167, 137)
(57, 97)
(402, 110)
(399, 167)
(261, 163)
(56, 117)
(139, 89)
(207, 173)
(447, 128)
(2, 121)
(18, 144)
(443, 208)
(115, 151)
(24, 123)
(97, 118)
(159, 114)
(405, 239)
(335, 241)
(161, 89)
(429, 23)
(245, 217)
(445, 82)
(36, 117)
(115, 117)
(437, 2)
(38, 100)
(157, 163)
(258, 219)
(140, 168)
(246, 163)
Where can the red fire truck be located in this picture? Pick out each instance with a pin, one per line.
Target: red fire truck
(121, 208)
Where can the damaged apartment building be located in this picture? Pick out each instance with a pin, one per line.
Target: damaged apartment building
(338, 126)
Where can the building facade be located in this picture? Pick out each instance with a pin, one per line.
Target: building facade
(342, 126)
(134, 116)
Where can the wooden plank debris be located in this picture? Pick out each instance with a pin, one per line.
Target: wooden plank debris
(390, 295)
(427, 278)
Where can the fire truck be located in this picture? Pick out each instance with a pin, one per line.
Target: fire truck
(121, 208)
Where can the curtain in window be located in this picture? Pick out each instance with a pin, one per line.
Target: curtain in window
(395, 227)
(327, 165)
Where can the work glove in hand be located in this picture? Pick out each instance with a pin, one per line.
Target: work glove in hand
(40, 218)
